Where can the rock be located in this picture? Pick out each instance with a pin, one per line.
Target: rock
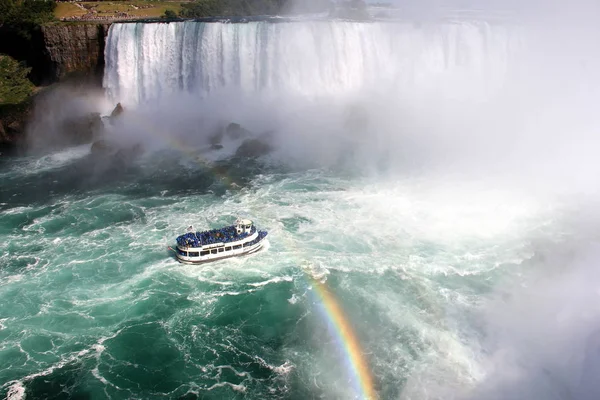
(13, 121)
(105, 148)
(96, 125)
(3, 135)
(235, 131)
(83, 129)
(124, 156)
(253, 148)
(116, 112)
(216, 139)
(15, 127)
(102, 147)
(74, 48)
(136, 150)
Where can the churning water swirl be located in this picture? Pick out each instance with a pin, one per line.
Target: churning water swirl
(415, 245)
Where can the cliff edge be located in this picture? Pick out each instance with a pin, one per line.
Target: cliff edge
(74, 49)
(55, 53)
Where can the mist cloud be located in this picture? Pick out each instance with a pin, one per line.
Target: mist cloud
(543, 332)
(511, 102)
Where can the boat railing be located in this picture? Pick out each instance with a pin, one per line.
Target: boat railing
(261, 236)
(223, 235)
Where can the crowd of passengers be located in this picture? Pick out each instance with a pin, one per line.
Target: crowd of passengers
(261, 235)
(223, 235)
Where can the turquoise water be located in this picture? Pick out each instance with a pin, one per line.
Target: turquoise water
(93, 305)
(440, 178)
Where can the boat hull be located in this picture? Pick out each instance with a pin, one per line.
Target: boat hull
(222, 255)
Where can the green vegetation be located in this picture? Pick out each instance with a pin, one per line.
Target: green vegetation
(226, 8)
(23, 16)
(210, 8)
(67, 10)
(138, 9)
(14, 86)
(134, 9)
(201, 8)
(350, 9)
(20, 22)
(170, 14)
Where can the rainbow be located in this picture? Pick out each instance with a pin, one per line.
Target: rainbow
(345, 337)
(176, 144)
(357, 365)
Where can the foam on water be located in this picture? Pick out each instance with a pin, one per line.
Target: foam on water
(393, 249)
(93, 304)
(37, 165)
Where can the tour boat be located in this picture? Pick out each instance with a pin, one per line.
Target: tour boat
(230, 241)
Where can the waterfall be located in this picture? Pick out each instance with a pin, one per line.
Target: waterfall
(309, 58)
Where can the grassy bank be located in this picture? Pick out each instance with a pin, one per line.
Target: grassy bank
(116, 9)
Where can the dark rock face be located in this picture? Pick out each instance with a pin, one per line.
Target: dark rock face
(216, 139)
(29, 49)
(250, 147)
(83, 129)
(130, 153)
(63, 114)
(3, 136)
(232, 131)
(235, 131)
(253, 148)
(110, 149)
(13, 120)
(118, 110)
(75, 49)
(114, 153)
(101, 147)
(55, 51)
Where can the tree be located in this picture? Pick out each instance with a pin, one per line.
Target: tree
(228, 8)
(14, 85)
(22, 16)
(170, 14)
(201, 8)
(16, 12)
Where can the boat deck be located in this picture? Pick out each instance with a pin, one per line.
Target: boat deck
(223, 235)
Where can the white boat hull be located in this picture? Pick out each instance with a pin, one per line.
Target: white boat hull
(221, 254)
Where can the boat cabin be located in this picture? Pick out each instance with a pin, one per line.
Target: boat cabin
(243, 226)
(229, 241)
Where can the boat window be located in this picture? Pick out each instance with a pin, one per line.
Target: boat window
(214, 251)
(182, 253)
(193, 254)
(239, 246)
(205, 252)
(221, 250)
(227, 248)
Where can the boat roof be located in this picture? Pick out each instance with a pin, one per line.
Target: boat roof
(244, 221)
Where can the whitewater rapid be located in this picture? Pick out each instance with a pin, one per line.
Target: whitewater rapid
(439, 178)
(408, 259)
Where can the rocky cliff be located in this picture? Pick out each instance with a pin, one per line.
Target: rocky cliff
(54, 52)
(74, 49)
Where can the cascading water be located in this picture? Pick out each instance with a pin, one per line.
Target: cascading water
(318, 58)
(404, 282)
